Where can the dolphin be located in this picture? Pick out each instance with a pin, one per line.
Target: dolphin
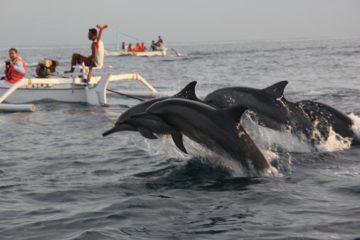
(216, 129)
(271, 108)
(323, 116)
(146, 127)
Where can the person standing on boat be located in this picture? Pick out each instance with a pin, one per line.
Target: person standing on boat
(96, 59)
(15, 69)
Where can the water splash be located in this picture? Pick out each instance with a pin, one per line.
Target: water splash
(164, 145)
(286, 141)
(356, 125)
(334, 142)
(273, 140)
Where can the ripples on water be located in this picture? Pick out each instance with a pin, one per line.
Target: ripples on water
(60, 179)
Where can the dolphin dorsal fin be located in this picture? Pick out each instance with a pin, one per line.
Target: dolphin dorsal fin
(235, 112)
(276, 89)
(188, 92)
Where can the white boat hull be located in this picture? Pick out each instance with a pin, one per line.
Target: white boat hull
(26, 95)
(71, 90)
(135, 54)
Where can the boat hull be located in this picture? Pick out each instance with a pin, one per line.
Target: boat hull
(27, 95)
(71, 90)
(135, 54)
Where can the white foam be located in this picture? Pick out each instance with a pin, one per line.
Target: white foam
(273, 140)
(196, 150)
(356, 125)
(334, 142)
(165, 145)
(285, 140)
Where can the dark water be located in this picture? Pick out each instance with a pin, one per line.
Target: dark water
(60, 179)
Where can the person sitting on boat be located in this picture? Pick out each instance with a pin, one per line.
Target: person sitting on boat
(96, 59)
(129, 47)
(137, 47)
(153, 46)
(143, 48)
(46, 68)
(15, 69)
(160, 43)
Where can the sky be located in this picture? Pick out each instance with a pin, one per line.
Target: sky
(66, 22)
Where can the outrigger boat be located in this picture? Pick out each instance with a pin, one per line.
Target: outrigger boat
(71, 90)
(124, 53)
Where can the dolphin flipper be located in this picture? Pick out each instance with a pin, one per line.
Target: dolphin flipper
(188, 92)
(146, 133)
(276, 89)
(178, 140)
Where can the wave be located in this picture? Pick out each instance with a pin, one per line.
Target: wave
(165, 146)
(197, 173)
(95, 234)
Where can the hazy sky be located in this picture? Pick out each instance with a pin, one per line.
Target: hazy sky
(63, 22)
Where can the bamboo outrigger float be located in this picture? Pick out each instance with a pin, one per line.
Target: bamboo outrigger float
(71, 90)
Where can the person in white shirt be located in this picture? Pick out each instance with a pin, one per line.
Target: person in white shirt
(96, 59)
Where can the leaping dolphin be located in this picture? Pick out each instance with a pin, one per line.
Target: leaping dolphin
(324, 117)
(269, 104)
(213, 128)
(147, 127)
(272, 110)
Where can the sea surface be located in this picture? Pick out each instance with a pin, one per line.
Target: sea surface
(60, 179)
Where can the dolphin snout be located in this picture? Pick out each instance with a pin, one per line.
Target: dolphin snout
(119, 128)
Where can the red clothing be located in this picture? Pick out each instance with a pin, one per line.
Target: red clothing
(16, 71)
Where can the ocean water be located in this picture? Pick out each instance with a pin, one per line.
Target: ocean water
(60, 179)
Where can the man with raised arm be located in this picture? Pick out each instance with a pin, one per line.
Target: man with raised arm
(96, 59)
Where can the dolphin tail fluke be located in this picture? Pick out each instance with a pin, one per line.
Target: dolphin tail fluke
(188, 92)
(276, 89)
(178, 140)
